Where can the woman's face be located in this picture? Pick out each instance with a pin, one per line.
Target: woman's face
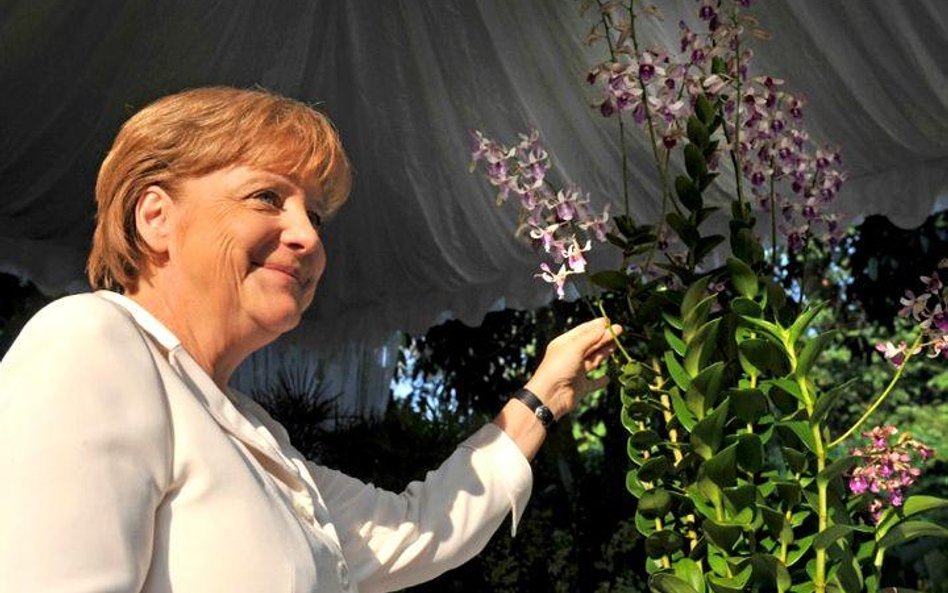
(246, 245)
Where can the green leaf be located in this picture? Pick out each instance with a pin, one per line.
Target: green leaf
(826, 401)
(644, 439)
(663, 543)
(708, 434)
(789, 493)
(663, 582)
(835, 469)
(721, 469)
(772, 330)
(653, 469)
(654, 503)
(764, 356)
(909, 530)
(677, 372)
(684, 415)
(803, 322)
(695, 293)
(750, 452)
(686, 231)
(625, 225)
(687, 193)
(690, 571)
(833, 533)
(722, 535)
(748, 404)
(921, 504)
(702, 347)
(675, 342)
(743, 277)
(695, 164)
(696, 316)
(610, 280)
(772, 570)
(706, 245)
(802, 431)
(705, 109)
(745, 306)
(633, 484)
(672, 320)
(697, 132)
(705, 388)
(811, 351)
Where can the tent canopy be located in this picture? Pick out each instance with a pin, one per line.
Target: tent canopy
(421, 240)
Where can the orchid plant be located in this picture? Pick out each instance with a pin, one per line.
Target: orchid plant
(739, 483)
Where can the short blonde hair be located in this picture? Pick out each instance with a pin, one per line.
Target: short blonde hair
(194, 133)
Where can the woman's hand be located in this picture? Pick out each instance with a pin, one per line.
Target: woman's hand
(560, 381)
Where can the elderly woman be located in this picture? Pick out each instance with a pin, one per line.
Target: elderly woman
(129, 465)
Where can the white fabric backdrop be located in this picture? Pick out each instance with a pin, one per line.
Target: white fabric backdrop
(421, 240)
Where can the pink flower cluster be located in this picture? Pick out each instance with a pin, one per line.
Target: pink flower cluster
(560, 223)
(785, 170)
(887, 468)
(930, 310)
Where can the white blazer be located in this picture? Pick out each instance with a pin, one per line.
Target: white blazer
(125, 469)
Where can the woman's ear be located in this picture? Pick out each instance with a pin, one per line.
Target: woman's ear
(153, 218)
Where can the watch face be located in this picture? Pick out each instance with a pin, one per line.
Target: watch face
(545, 415)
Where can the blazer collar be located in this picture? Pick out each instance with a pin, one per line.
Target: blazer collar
(249, 431)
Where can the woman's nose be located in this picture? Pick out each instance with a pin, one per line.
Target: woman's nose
(299, 233)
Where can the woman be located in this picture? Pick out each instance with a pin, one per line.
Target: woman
(128, 463)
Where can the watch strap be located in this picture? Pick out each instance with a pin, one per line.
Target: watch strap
(539, 409)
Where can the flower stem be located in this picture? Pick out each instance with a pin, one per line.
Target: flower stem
(773, 220)
(622, 145)
(612, 332)
(885, 393)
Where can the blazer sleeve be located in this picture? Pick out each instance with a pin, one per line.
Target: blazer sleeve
(392, 541)
(84, 452)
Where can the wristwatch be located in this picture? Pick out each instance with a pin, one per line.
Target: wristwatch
(543, 413)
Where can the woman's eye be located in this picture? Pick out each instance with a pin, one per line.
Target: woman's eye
(268, 197)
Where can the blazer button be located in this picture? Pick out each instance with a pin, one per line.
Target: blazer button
(343, 575)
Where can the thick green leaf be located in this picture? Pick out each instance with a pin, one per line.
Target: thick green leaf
(690, 571)
(644, 439)
(722, 535)
(803, 432)
(630, 423)
(682, 413)
(653, 469)
(909, 530)
(702, 347)
(672, 320)
(750, 452)
(610, 280)
(811, 351)
(677, 372)
(705, 109)
(695, 163)
(741, 503)
(789, 386)
(687, 193)
(696, 317)
(834, 469)
(772, 330)
(748, 404)
(695, 293)
(789, 493)
(675, 342)
(799, 549)
(764, 356)
(633, 484)
(803, 322)
(743, 277)
(705, 389)
(746, 306)
(663, 582)
(708, 434)
(663, 543)
(826, 538)
(826, 401)
(721, 468)
(921, 504)
(654, 503)
(797, 461)
(685, 230)
(706, 245)
(770, 569)
(697, 132)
